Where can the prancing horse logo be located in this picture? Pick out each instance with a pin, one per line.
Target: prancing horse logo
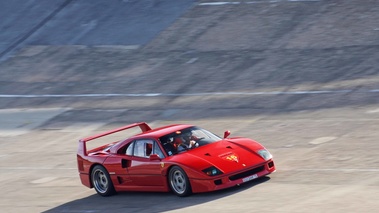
(232, 157)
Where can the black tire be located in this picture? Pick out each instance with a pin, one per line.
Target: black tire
(179, 182)
(101, 181)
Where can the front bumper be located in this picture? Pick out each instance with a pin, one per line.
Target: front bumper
(229, 180)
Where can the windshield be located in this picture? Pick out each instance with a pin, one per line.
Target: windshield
(186, 139)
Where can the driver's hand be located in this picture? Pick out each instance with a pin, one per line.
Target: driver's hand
(192, 143)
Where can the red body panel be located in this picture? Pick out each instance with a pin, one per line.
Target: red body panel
(236, 158)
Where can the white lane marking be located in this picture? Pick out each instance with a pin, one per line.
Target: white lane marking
(306, 92)
(251, 2)
(217, 3)
(329, 170)
(110, 110)
(321, 140)
(120, 47)
(79, 95)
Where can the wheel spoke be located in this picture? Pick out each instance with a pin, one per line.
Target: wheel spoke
(100, 181)
(179, 183)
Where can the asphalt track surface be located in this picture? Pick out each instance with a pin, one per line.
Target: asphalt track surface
(299, 76)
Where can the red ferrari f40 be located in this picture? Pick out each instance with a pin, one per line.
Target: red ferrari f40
(180, 158)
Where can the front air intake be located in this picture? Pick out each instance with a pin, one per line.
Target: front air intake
(218, 182)
(247, 173)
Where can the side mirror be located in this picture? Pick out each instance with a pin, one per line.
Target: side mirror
(154, 157)
(226, 133)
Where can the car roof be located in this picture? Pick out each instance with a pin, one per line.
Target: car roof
(153, 133)
(164, 130)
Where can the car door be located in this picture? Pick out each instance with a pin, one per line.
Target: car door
(142, 170)
(118, 163)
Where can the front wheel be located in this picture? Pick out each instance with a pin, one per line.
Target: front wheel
(179, 182)
(101, 181)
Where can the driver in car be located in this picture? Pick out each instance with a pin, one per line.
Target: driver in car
(185, 141)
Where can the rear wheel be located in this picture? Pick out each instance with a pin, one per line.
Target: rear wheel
(101, 181)
(179, 182)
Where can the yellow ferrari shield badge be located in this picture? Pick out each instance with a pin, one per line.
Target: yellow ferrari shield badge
(232, 157)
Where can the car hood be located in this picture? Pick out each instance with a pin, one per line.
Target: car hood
(227, 155)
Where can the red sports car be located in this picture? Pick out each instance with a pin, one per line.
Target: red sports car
(180, 158)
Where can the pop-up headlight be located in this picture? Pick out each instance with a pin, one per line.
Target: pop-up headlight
(265, 154)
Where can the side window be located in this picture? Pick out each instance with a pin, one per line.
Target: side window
(129, 149)
(158, 150)
(144, 148)
(139, 148)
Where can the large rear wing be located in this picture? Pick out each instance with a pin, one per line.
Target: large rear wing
(82, 149)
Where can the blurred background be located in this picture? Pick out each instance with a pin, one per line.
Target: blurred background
(299, 76)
